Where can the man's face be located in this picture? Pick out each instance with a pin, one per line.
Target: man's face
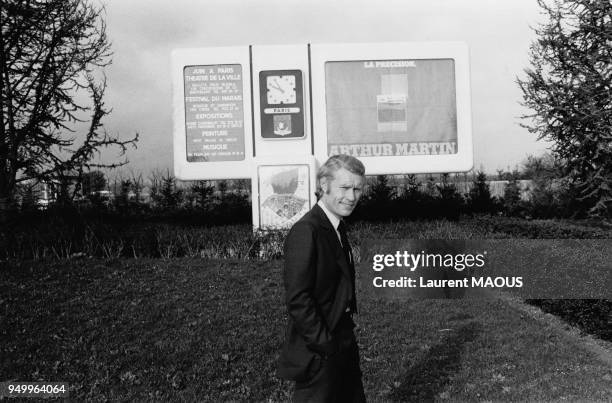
(342, 192)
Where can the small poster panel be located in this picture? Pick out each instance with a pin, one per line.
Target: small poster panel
(214, 113)
(284, 194)
(282, 104)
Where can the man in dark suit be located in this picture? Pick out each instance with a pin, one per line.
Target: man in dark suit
(320, 352)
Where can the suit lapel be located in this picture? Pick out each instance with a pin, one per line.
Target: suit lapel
(339, 252)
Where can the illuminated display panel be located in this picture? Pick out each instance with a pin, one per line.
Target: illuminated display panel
(397, 107)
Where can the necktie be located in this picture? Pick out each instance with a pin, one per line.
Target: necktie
(345, 243)
(349, 259)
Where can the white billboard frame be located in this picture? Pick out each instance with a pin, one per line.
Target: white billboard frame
(320, 54)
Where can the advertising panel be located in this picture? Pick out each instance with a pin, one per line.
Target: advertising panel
(391, 107)
(214, 121)
(284, 194)
(281, 104)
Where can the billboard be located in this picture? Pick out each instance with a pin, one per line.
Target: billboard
(273, 113)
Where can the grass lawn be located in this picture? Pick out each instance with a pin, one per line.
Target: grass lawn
(210, 330)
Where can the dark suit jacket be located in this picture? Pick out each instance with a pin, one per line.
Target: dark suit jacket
(318, 289)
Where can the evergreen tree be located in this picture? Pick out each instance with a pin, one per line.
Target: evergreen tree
(170, 194)
(202, 192)
(450, 200)
(512, 197)
(569, 88)
(381, 192)
(479, 197)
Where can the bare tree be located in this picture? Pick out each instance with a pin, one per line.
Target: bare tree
(155, 184)
(137, 184)
(50, 53)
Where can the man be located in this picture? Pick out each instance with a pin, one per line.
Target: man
(320, 353)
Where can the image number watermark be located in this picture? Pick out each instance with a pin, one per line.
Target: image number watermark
(34, 389)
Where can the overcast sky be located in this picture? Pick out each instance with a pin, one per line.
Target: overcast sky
(144, 32)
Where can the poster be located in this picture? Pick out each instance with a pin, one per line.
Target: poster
(214, 112)
(284, 194)
(391, 107)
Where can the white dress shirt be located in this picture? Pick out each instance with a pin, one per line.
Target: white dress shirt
(335, 221)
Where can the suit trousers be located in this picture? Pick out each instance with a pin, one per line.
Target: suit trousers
(336, 378)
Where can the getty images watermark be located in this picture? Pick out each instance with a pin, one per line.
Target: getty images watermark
(461, 262)
(462, 268)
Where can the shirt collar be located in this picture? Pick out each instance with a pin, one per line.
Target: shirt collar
(335, 221)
